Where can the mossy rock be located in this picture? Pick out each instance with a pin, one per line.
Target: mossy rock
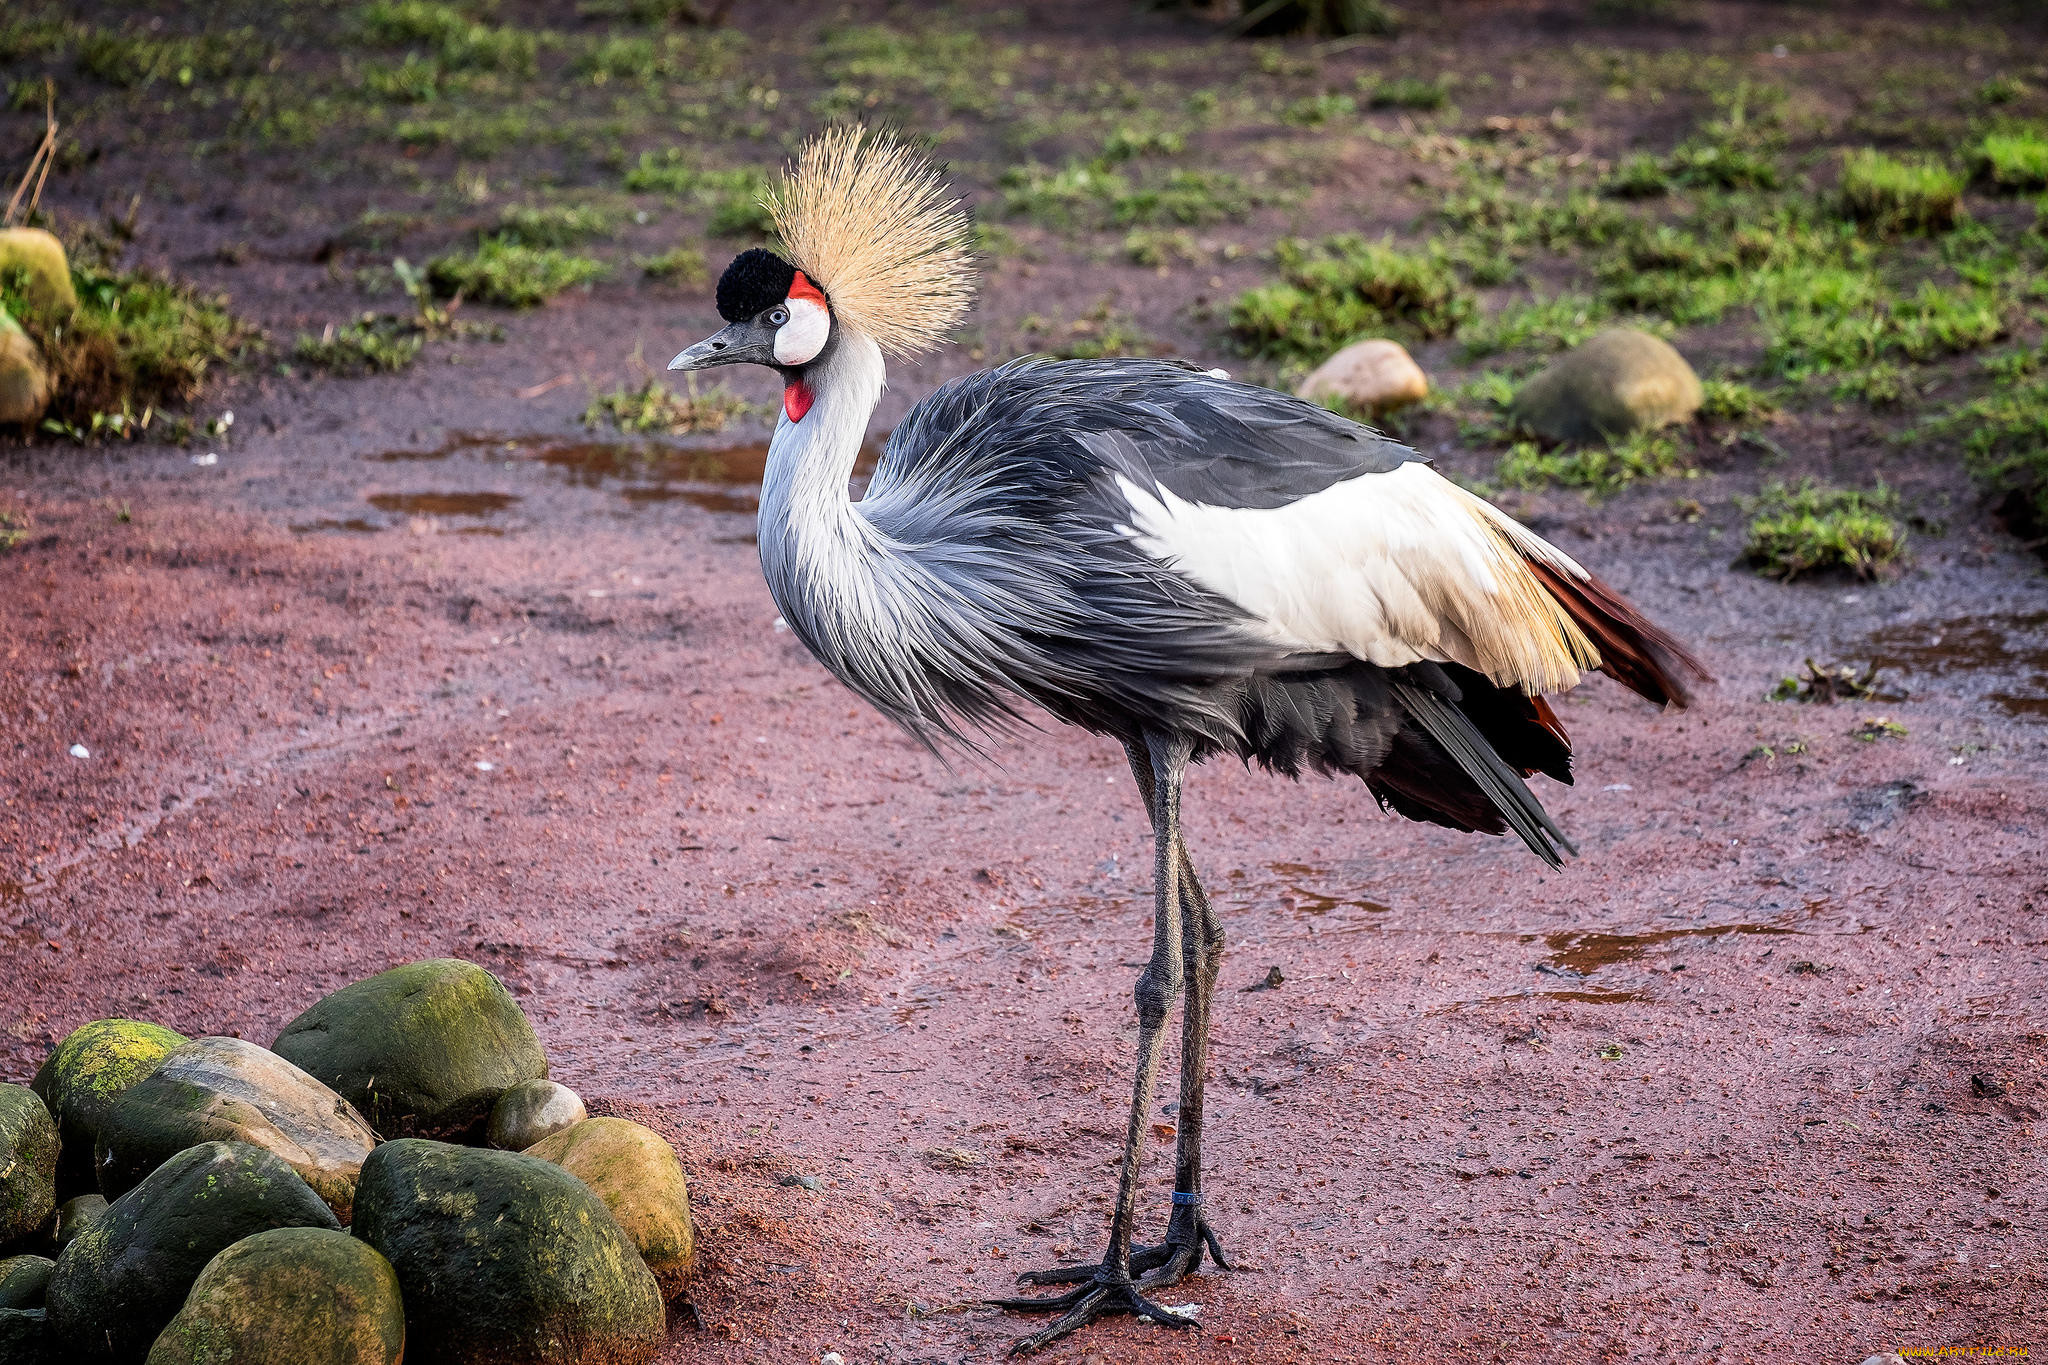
(422, 1050)
(532, 1110)
(28, 1163)
(24, 376)
(229, 1090)
(40, 256)
(505, 1259)
(290, 1296)
(75, 1216)
(636, 1173)
(23, 1280)
(126, 1276)
(85, 1074)
(25, 1338)
(1620, 382)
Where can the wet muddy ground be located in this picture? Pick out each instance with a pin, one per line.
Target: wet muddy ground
(419, 666)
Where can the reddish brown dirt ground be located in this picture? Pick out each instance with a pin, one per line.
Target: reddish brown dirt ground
(1707, 1093)
(1758, 1078)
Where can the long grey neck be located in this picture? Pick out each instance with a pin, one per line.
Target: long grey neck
(809, 527)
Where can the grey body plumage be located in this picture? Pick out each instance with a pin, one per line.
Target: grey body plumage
(1153, 552)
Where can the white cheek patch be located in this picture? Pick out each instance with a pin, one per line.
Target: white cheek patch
(798, 341)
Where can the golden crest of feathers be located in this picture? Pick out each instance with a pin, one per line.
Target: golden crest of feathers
(872, 223)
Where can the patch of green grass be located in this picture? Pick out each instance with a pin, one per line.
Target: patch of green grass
(460, 42)
(1596, 469)
(1552, 324)
(1641, 176)
(2004, 438)
(130, 61)
(1344, 287)
(2013, 161)
(1823, 319)
(511, 275)
(1873, 728)
(875, 65)
(135, 342)
(1313, 111)
(1895, 195)
(1128, 144)
(1080, 195)
(1405, 92)
(14, 528)
(1162, 247)
(415, 80)
(2003, 89)
(654, 407)
(1812, 528)
(677, 265)
(552, 224)
(1731, 400)
(372, 344)
(1704, 164)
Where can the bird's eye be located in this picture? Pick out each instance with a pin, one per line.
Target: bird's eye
(777, 316)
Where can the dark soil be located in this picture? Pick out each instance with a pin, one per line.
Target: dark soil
(417, 667)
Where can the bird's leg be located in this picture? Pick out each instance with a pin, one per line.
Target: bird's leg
(1188, 1231)
(1108, 1287)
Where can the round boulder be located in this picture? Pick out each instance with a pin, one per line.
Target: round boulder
(531, 1111)
(1376, 375)
(24, 378)
(85, 1074)
(228, 1090)
(23, 1280)
(1621, 381)
(290, 1296)
(635, 1172)
(75, 1216)
(505, 1259)
(39, 256)
(28, 1163)
(422, 1050)
(127, 1274)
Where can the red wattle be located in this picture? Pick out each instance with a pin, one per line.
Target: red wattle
(796, 400)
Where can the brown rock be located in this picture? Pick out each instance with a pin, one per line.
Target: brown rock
(1368, 376)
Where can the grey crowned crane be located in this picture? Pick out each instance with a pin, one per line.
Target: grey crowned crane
(1153, 552)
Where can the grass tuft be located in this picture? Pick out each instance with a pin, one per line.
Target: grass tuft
(1894, 195)
(2014, 161)
(654, 407)
(1731, 400)
(1344, 287)
(135, 342)
(1598, 470)
(552, 225)
(511, 275)
(1813, 528)
(1406, 92)
(372, 344)
(2004, 437)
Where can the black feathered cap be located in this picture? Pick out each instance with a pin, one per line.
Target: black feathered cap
(755, 281)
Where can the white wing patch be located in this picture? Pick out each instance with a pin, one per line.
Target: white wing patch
(1393, 568)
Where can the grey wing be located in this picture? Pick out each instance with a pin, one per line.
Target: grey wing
(1222, 443)
(1206, 439)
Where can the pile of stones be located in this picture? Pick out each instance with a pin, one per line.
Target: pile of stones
(395, 1177)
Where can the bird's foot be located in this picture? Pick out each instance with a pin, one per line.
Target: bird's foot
(1153, 1267)
(1102, 1293)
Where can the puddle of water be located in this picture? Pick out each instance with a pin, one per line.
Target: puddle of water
(724, 480)
(443, 504)
(1305, 901)
(1583, 954)
(2012, 644)
(358, 525)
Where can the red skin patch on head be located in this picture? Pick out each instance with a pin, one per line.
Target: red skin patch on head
(797, 397)
(802, 288)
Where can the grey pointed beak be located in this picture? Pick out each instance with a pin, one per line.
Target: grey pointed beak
(743, 343)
